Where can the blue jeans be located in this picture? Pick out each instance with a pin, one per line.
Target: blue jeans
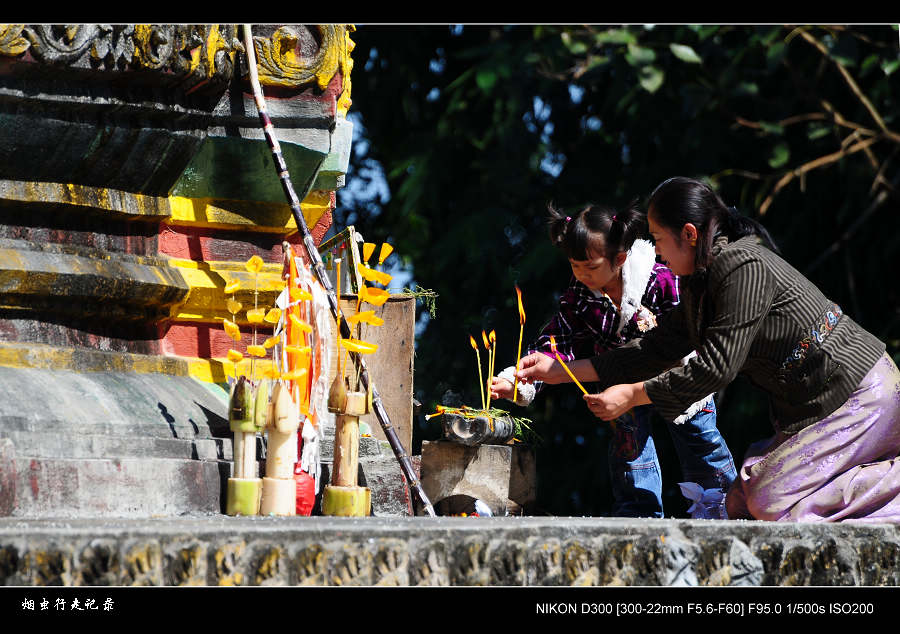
(634, 466)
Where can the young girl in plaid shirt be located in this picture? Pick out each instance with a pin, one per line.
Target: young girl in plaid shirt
(615, 295)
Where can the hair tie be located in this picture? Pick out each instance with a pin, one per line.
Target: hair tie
(568, 218)
(614, 217)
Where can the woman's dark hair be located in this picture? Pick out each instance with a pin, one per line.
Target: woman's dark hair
(596, 229)
(678, 201)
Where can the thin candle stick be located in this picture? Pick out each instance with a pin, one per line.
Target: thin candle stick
(493, 357)
(519, 351)
(563, 364)
(480, 377)
(487, 383)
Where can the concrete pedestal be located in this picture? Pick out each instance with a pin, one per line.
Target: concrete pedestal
(501, 476)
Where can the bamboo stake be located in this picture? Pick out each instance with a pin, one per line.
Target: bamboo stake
(319, 270)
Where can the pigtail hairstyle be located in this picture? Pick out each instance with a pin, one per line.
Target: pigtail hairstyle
(596, 230)
(678, 201)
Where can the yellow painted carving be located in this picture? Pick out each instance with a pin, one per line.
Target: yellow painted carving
(279, 64)
(269, 566)
(346, 63)
(200, 212)
(270, 217)
(11, 40)
(46, 357)
(96, 198)
(214, 44)
(206, 302)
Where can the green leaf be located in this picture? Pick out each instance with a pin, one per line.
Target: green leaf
(771, 128)
(780, 155)
(615, 36)
(651, 78)
(843, 50)
(639, 55)
(843, 59)
(576, 47)
(774, 54)
(486, 79)
(817, 131)
(685, 53)
(596, 60)
(889, 66)
(747, 88)
(868, 63)
(703, 31)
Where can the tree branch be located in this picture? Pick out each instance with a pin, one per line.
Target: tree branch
(807, 167)
(849, 80)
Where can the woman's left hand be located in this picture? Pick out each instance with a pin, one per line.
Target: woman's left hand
(615, 401)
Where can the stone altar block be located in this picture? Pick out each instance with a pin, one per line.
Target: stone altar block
(502, 476)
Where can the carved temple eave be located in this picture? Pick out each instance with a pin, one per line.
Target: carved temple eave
(166, 109)
(196, 56)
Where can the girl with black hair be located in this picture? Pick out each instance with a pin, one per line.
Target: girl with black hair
(615, 295)
(834, 393)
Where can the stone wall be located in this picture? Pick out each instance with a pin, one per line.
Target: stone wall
(522, 551)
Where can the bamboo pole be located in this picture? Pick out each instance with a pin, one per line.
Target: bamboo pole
(319, 269)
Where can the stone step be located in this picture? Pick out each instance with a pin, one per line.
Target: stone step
(119, 487)
(71, 445)
(97, 440)
(115, 428)
(155, 487)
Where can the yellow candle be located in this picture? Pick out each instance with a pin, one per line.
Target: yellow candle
(519, 352)
(562, 363)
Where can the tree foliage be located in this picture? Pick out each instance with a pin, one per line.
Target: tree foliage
(473, 130)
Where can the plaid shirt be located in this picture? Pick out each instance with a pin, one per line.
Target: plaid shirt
(586, 324)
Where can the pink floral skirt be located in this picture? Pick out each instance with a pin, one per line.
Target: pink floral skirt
(844, 468)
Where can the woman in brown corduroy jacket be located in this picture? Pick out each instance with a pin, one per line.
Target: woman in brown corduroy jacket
(834, 392)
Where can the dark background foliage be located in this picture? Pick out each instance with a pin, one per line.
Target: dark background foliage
(466, 133)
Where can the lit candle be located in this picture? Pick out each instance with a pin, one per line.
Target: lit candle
(519, 352)
(565, 367)
(493, 339)
(487, 347)
(480, 376)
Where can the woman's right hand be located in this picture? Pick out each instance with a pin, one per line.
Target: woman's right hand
(537, 366)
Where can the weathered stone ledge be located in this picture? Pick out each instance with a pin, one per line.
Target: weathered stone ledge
(414, 551)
